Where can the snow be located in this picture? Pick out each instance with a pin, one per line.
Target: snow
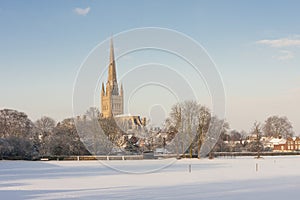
(277, 141)
(220, 178)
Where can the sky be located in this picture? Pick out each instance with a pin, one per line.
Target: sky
(254, 44)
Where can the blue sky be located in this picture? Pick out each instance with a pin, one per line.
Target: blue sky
(255, 45)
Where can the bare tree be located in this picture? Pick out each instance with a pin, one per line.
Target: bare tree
(66, 140)
(278, 126)
(17, 124)
(45, 127)
(257, 131)
(45, 124)
(92, 124)
(204, 118)
(190, 122)
(93, 113)
(174, 124)
(101, 136)
(217, 134)
(18, 135)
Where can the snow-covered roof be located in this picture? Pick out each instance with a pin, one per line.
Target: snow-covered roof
(126, 115)
(278, 141)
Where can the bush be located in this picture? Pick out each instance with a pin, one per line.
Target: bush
(17, 148)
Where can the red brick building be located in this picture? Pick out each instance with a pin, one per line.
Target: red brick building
(290, 144)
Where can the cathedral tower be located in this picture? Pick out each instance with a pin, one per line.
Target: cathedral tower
(111, 97)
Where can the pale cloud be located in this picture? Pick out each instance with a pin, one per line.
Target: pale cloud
(282, 42)
(82, 11)
(285, 55)
(287, 43)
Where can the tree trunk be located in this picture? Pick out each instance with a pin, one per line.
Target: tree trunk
(199, 141)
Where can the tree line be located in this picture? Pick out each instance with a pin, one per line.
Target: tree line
(190, 116)
(190, 129)
(20, 138)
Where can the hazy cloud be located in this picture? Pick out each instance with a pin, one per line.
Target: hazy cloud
(287, 43)
(283, 42)
(82, 11)
(285, 55)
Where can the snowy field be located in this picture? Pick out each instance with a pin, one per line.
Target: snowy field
(221, 178)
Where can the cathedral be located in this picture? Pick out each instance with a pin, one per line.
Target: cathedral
(111, 96)
(112, 99)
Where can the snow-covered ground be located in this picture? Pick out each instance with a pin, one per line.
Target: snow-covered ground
(221, 178)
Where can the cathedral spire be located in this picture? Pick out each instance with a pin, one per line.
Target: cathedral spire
(112, 77)
(121, 90)
(111, 98)
(103, 90)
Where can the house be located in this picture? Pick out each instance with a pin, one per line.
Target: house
(289, 144)
(268, 142)
(276, 142)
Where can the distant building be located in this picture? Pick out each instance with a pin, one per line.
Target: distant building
(111, 97)
(289, 144)
(130, 122)
(112, 100)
